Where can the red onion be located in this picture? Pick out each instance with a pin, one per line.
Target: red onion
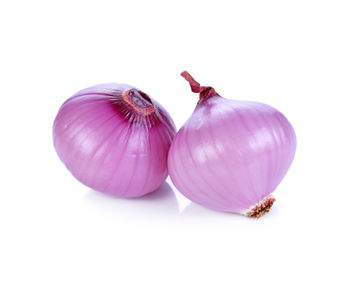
(231, 155)
(115, 139)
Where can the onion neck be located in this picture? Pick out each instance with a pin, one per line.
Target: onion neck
(204, 91)
(139, 101)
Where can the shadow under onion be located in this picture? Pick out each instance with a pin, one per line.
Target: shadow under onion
(160, 202)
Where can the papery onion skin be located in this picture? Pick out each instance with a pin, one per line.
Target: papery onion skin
(114, 139)
(231, 155)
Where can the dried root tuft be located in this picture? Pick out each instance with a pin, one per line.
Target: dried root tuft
(261, 208)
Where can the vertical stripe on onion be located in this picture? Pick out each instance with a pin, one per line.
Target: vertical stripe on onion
(115, 139)
(231, 155)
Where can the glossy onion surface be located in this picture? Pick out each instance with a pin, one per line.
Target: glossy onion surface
(231, 155)
(115, 139)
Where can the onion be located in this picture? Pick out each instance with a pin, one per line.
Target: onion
(115, 139)
(231, 155)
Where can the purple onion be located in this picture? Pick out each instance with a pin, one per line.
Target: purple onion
(115, 139)
(231, 155)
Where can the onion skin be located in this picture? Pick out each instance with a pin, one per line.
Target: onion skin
(231, 155)
(114, 139)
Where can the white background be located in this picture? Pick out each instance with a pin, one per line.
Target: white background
(56, 234)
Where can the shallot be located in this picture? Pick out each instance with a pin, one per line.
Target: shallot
(115, 139)
(231, 155)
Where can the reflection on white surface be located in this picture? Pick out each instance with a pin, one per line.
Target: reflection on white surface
(161, 202)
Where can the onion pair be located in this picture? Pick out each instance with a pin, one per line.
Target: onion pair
(229, 156)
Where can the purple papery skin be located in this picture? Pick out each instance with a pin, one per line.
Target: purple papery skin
(230, 155)
(110, 147)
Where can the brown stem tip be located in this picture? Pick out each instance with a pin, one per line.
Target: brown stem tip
(139, 101)
(261, 208)
(204, 91)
